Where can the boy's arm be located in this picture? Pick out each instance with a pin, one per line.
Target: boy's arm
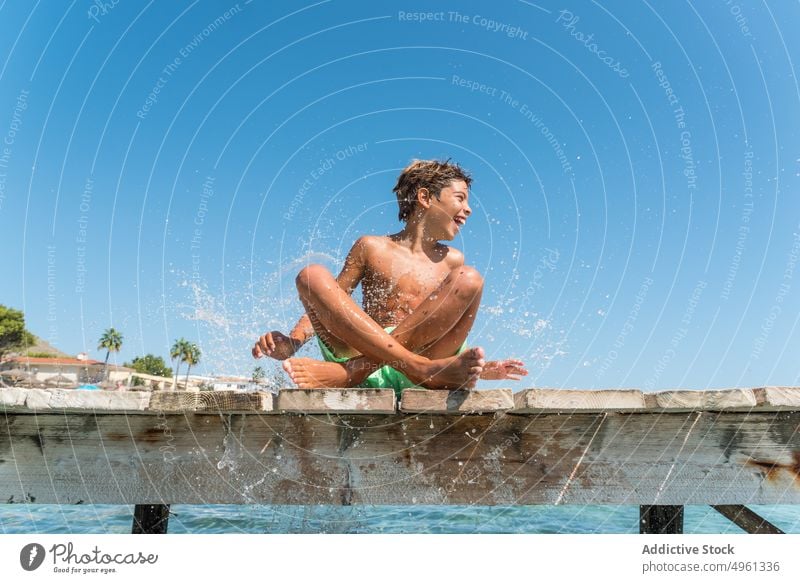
(302, 332)
(279, 346)
(355, 265)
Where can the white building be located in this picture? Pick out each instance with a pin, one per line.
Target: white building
(235, 384)
(75, 370)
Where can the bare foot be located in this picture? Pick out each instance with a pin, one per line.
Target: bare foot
(457, 372)
(308, 373)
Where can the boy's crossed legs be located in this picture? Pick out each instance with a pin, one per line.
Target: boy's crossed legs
(422, 346)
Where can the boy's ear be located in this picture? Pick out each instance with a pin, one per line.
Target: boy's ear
(424, 197)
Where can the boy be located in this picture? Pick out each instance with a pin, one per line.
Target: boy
(419, 301)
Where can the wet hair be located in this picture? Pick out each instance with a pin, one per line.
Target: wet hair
(431, 174)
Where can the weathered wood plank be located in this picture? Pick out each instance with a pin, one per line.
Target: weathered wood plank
(484, 401)
(343, 401)
(212, 402)
(12, 397)
(339, 401)
(559, 400)
(579, 458)
(778, 398)
(682, 401)
(36, 400)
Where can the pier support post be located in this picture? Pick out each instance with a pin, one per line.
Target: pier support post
(150, 519)
(746, 519)
(660, 519)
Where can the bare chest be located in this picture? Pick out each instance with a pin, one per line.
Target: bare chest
(402, 285)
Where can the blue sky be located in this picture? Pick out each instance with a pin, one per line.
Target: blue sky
(167, 168)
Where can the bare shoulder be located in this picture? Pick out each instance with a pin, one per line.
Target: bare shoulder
(372, 247)
(454, 257)
(370, 243)
(371, 240)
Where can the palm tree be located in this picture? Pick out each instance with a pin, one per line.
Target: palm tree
(111, 340)
(176, 354)
(191, 356)
(258, 374)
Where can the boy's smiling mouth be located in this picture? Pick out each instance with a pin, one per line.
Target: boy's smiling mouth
(459, 220)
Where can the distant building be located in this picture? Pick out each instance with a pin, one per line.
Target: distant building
(77, 370)
(153, 382)
(235, 384)
(196, 382)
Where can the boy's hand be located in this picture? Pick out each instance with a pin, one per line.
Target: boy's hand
(498, 370)
(276, 345)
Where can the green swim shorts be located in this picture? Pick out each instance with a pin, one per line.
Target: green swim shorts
(385, 377)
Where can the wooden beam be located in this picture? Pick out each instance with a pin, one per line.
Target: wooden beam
(725, 400)
(45, 400)
(211, 402)
(746, 519)
(778, 398)
(561, 400)
(643, 458)
(456, 402)
(336, 401)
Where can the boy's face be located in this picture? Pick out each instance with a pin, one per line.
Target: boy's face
(449, 212)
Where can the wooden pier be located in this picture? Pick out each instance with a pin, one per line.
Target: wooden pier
(660, 451)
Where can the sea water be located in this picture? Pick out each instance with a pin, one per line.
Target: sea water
(208, 519)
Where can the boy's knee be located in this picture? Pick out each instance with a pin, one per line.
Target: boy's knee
(468, 278)
(309, 274)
